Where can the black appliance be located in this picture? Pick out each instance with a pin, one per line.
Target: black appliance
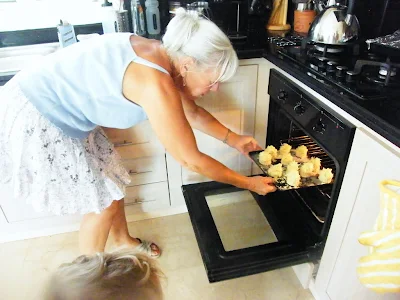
(283, 228)
(368, 77)
(240, 18)
(350, 68)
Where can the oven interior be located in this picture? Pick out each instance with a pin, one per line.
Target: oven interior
(294, 217)
(315, 204)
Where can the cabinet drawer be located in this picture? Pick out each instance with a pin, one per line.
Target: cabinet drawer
(139, 134)
(140, 150)
(147, 197)
(146, 169)
(134, 142)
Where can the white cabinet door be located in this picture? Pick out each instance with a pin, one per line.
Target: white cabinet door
(358, 207)
(18, 219)
(16, 209)
(234, 106)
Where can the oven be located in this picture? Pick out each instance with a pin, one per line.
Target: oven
(240, 233)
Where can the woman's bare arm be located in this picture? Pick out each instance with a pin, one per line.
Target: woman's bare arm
(165, 112)
(161, 101)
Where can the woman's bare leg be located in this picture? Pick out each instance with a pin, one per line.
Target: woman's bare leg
(120, 233)
(95, 228)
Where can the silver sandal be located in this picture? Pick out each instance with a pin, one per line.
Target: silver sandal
(145, 247)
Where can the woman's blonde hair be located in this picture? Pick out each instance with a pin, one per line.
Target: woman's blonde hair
(124, 274)
(190, 35)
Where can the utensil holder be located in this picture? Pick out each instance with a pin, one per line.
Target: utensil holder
(122, 21)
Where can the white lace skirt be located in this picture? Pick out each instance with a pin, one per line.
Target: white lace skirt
(51, 170)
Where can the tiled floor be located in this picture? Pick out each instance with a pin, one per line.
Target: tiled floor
(27, 264)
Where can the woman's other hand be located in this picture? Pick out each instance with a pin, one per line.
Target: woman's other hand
(243, 143)
(261, 185)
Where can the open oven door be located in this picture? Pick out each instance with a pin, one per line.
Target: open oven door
(240, 233)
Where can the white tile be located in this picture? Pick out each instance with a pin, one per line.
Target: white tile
(304, 295)
(26, 266)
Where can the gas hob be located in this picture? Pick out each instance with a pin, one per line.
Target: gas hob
(349, 69)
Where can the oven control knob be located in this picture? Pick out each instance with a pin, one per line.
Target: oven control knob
(319, 127)
(299, 109)
(351, 76)
(341, 71)
(282, 95)
(331, 68)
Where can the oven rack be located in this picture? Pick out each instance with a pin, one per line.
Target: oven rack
(313, 150)
(316, 199)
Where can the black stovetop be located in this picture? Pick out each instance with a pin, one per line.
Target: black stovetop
(353, 68)
(352, 72)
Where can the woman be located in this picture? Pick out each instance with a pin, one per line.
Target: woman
(58, 157)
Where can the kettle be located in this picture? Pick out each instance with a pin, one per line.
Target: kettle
(200, 8)
(335, 25)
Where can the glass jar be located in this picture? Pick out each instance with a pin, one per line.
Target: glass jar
(304, 15)
(172, 7)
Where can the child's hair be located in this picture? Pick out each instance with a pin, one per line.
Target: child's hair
(123, 274)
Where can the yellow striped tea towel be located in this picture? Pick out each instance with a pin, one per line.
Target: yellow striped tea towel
(380, 270)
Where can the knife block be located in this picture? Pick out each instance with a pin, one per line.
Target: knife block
(278, 19)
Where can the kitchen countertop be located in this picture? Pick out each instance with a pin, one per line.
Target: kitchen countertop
(252, 48)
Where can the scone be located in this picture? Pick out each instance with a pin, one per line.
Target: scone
(275, 171)
(286, 159)
(317, 165)
(301, 152)
(284, 149)
(272, 150)
(292, 166)
(265, 158)
(325, 175)
(293, 178)
(306, 170)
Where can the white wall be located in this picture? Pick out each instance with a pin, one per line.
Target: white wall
(31, 14)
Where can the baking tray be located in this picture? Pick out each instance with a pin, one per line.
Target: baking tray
(280, 183)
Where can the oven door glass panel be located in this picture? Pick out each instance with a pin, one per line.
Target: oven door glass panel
(239, 220)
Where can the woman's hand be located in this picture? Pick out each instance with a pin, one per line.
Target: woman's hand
(243, 143)
(261, 185)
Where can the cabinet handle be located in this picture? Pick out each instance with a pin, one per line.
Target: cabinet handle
(124, 143)
(133, 172)
(128, 143)
(139, 201)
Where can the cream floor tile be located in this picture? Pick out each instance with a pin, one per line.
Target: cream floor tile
(12, 256)
(184, 254)
(304, 295)
(10, 281)
(192, 283)
(279, 284)
(26, 266)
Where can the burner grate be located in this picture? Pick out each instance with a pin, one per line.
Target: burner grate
(388, 66)
(328, 49)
